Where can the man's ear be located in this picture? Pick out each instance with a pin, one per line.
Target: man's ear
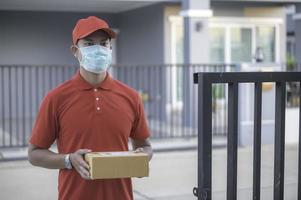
(73, 50)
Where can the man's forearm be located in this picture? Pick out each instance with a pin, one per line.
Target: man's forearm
(46, 158)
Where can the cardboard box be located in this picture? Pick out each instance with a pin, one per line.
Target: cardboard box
(124, 164)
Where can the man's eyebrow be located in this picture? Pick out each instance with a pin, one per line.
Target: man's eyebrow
(89, 39)
(105, 39)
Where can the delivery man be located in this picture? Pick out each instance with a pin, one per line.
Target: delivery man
(91, 112)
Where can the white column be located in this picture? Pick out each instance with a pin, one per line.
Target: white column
(196, 51)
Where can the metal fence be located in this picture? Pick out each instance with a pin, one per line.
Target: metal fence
(168, 94)
(233, 80)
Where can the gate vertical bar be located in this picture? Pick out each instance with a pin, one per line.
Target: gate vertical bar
(279, 141)
(232, 141)
(204, 191)
(299, 152)
(257, 140)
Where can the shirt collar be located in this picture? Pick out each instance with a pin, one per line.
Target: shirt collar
(82, 84)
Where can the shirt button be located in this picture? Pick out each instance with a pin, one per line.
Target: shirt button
(95, 90)
(98, 108)
(97, 99)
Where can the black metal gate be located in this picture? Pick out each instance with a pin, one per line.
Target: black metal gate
(233, 79)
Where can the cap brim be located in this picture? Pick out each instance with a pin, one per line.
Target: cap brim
(109, 31)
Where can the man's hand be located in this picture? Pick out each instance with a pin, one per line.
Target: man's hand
(139, 150)
(142, 146)
(80, 164)
(147, 149)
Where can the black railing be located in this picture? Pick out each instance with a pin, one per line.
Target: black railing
(22, 89)
(169, 97)
(233, 79)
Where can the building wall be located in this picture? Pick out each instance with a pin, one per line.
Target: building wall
(297, 30)
(239, 11)
(290, 25)
(228, 10)
(39, 38)
(233, 10)
(141, 36)
(144, 34)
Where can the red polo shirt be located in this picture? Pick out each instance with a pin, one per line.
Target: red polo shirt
(81, 116)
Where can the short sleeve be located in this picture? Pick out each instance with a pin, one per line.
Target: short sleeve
(140, 128)
(45, 129)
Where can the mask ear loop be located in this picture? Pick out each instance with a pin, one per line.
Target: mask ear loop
(111, 51)
(79, 51)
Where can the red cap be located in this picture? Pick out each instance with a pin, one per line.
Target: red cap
(89, 25)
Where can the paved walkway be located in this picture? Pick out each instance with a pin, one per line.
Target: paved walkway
(172, 177)
(159, 145)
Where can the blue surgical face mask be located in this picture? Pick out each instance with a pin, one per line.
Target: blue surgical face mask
(95, 58)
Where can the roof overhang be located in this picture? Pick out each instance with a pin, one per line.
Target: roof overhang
(105, 6)
(263, 1)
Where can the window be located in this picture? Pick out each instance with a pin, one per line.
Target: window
(241, 40)
(241, 45)
(265, 39)
(217, 44)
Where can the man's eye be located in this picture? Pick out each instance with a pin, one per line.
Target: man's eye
(88, 43)
(105, 44)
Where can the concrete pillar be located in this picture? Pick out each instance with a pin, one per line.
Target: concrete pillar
(196, 51)
(297, 26)
(196, 37)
